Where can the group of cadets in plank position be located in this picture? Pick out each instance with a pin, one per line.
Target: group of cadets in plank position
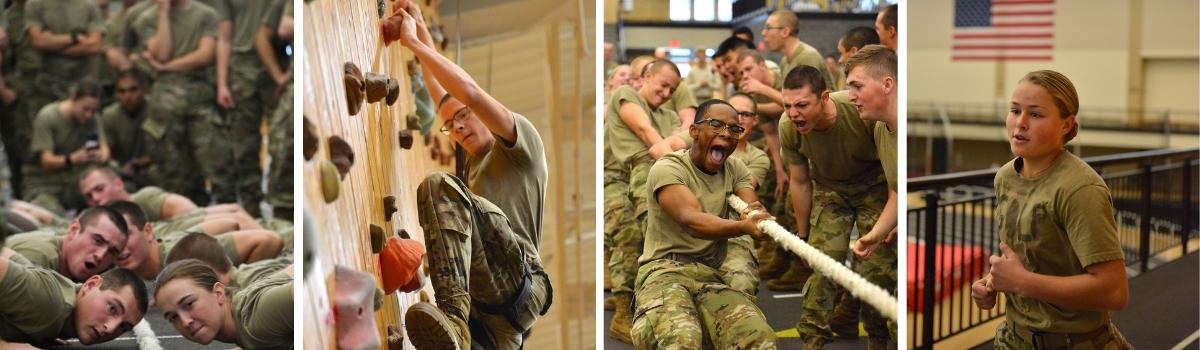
(807, 144)
(96, 200)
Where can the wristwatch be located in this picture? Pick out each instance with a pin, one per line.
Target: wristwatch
(74, 38)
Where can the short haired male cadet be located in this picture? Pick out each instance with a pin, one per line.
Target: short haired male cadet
(871, 76)
(92, 243)
(683, 299)
(837, 184)
(490, 230)
(41, 307)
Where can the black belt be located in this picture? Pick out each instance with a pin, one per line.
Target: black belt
(1048, 340)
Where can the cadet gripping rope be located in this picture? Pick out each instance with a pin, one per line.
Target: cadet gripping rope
(861, 288)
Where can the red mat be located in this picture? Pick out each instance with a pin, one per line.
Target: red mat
(950, 269)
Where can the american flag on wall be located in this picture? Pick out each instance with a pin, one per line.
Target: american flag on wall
(1003, 30)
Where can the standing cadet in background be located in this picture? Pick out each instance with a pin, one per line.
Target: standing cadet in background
(484, 240)
(701, 79)
(886, 26)
(855, 39)
(67, 34)
(19, 64)
(243, 91)
(278, 23)
(188, 132)
(780, 34)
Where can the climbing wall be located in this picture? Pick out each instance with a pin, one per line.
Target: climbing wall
(346, 31)
(544, 70)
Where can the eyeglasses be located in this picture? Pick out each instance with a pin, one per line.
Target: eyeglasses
(771, 28)
(747, 114)
(717, 124)
(458, 117)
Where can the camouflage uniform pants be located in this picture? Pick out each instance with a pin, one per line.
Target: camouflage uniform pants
(190, 139)
(252, 95)
(880, 269)
(689, 306)
(279, 144)
(833, 217)
(475, 260)
(628, 241)
(16, 127)
(740, 268)
(1007, 338)
(617, 215)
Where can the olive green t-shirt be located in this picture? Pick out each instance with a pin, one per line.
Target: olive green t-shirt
(806, 55)
(665, 236)
(20, 54)
(247, 274)
(169, 232)
(625, 145)
(189, 25)
(262, 313)
(1058, 224)
(275, 14)
(35, 304)
(126, 140)
(247, 16)
(842, 158)
(756, 160)
(129, 40)
(513, 177)
(680, 99)
(53, 132)
(885, 148)
(62, 17)
(41, 248)
(151, 200)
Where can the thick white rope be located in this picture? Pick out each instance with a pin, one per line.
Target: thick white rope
(837, 272)
(146, 339)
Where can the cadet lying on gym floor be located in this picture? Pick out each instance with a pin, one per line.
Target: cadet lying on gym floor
(40, 307)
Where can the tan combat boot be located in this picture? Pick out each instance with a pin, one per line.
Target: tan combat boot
(793, 279)
(776, 265)
(622, 321)
(430, 329)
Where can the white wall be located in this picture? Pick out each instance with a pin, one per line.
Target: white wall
(1091, 47)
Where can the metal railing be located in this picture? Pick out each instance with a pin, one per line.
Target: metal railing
(1155, 202)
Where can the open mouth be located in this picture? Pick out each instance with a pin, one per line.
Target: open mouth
(717, 154)
(88, 265)
(1020, 138)
(95, 334)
